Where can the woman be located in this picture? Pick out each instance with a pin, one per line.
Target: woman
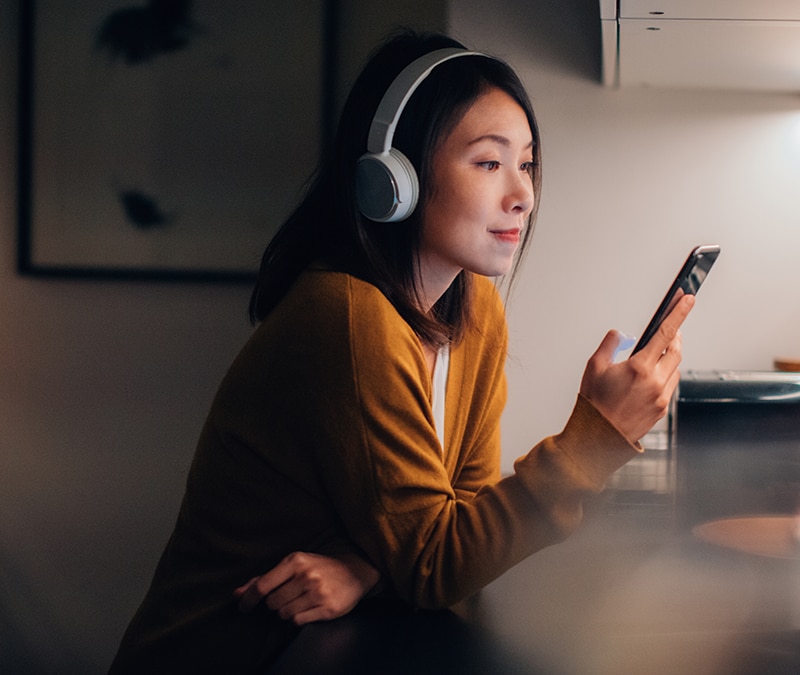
(353, 447)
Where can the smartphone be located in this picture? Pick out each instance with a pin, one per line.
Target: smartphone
(689, 279)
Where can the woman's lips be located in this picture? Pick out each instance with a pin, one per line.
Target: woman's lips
(511, 236)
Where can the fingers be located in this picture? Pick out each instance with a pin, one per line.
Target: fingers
(258, 588)
(671, 357)
(635, 393)
(292, 589)
(306, 608)
(669, 329)
(315, 613)
(672, 384)
(307, 587)
(290, 609)
(253, 593)
(301, 609)
(283, 599)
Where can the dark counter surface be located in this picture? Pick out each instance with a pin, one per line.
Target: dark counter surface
(628, 593)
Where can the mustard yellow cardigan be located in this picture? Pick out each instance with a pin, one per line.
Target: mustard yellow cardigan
(321, 438)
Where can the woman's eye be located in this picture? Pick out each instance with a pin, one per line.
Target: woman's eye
(527, 167)
(491, 165)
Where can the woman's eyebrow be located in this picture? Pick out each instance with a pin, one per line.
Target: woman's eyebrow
(496, 138)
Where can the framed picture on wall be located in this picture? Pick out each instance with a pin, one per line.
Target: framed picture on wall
(166, 139)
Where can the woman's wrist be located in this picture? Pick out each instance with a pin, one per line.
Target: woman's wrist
(364, 571)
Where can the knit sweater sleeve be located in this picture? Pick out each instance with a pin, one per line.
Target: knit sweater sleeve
(362, 404)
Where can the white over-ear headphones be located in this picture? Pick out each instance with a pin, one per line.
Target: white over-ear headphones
(387, 187)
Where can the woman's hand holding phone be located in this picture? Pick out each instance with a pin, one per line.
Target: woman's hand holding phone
(635, 393)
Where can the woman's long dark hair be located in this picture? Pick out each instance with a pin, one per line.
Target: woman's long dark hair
(327, 227)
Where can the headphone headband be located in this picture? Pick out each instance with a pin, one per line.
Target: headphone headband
(387, 187)
(381, 131)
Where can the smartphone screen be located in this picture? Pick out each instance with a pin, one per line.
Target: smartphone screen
(689, 279)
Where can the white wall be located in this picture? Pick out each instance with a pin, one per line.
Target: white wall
(633, 178)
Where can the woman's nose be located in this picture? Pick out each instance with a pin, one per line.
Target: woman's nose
(519, 196)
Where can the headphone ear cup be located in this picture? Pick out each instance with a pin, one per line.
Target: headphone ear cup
(387, 187)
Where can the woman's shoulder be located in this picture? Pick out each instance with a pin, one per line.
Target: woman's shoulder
(328, 302)
(325, 291)
(335, 317)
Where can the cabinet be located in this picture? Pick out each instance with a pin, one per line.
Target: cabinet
(712, 44)
(723, 10)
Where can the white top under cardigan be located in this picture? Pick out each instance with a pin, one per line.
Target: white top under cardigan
(439, 381)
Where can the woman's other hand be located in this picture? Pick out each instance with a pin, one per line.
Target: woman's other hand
(306, 587)
(634, 394)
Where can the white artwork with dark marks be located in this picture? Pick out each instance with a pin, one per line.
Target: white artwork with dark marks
(169, 136)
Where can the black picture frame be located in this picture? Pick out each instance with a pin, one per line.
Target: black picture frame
(166, 146)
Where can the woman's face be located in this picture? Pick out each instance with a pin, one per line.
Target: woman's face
(482, 194)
